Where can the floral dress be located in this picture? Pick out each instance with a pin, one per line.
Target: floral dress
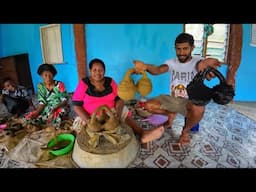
(50, 98)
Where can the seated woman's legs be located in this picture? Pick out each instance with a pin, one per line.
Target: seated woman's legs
(145, 135)
(194, 115)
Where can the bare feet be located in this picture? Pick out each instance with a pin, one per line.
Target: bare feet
(150, 135)
(184, 139)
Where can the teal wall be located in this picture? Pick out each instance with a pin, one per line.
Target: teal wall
(245, 77)
(118, 45)
(25, 38)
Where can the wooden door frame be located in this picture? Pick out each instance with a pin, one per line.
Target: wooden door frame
(80, 49)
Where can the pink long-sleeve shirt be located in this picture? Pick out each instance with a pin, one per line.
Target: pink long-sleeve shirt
(85, 95)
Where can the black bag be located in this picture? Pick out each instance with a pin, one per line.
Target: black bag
(222, 93)
(200, 94)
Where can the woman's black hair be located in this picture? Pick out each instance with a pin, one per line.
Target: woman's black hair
(96, 60)
(46, 67)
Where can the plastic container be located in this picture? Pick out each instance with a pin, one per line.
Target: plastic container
(59, 138)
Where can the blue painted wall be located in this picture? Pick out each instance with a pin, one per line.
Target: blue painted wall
(25, 38)
(118, 45)
(245, 77)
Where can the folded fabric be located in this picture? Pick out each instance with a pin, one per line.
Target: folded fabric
(156, 119)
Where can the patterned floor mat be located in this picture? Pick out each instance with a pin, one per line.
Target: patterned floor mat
(226, 139)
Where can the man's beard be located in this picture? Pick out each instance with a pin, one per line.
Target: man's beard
(184, 58)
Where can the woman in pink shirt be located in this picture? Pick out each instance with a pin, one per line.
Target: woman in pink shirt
(97, 90)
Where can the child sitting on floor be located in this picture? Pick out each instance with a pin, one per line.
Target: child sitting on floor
(16, 97)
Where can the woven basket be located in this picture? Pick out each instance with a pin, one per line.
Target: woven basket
(106, 154)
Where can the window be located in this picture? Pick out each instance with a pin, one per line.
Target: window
(51, 43)
(210, 40)
(253, 35)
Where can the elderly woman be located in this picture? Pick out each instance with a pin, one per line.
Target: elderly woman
(52, 98)
(97, 90)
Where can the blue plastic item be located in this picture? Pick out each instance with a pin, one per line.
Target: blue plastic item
(195, 128)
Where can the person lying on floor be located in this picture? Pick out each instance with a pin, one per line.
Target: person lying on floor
(16, 97)
(97, 90)
(52, 97)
